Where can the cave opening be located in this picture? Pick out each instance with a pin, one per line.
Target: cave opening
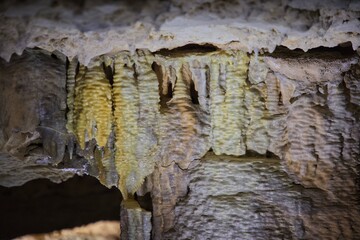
(41, 206)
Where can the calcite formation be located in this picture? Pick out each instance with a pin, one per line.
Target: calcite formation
(92, 106)
(138, 118)
(213, 108)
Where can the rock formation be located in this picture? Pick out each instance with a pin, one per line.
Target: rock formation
(241, 119)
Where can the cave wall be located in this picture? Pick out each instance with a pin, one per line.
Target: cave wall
(292, 105)
(33, 136)
(256, 199)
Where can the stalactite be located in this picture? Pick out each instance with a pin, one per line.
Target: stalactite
(70, 88)
(228, 73)
(148, 127)
(125, 100)
(93, 106)
(136, 110)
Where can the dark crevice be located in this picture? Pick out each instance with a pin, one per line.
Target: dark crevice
(188, 49)
(193, 93)
(268, 154)
(77, 69)
(207, 75)
(146, 203)
(169, 94)
(54, 56)
(135, 74)
(165, 94)
(34, 148)
(343, 50)
(67, 63)
(280, 102)
(109, 73)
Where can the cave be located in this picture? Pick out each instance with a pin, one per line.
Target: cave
(180, 119)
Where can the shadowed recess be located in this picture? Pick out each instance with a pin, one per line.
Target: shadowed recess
(41, 206)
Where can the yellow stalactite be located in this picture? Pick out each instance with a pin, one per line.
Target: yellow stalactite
(125, 97)
(136, 109)
(92, 106)
(209, 98)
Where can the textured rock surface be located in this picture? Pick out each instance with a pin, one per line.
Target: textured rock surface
(256, 199)
(319, 103)
(90, 28)
(32, 100)
(92, 106)
(136, 113)
(15, 172)
(33, 138)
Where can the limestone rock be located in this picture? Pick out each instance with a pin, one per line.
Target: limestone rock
(40, 103)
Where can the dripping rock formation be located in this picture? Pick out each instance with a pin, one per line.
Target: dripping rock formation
(214, 119)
